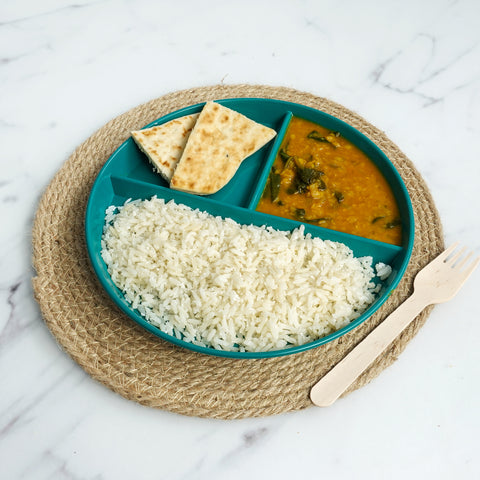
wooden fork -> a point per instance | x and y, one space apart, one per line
438 282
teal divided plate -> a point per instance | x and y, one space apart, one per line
127 174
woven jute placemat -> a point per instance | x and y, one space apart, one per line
112 349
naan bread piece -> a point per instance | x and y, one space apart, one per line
164 144
218 144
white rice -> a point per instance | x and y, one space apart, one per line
219 284
383 271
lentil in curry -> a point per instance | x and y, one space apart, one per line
321 178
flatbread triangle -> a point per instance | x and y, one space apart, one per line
164 144
219 142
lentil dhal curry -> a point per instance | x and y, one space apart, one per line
321 178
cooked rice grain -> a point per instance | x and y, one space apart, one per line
216 283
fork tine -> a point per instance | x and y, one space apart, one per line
467 272
456 256
464 261
448 251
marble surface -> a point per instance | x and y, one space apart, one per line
411 68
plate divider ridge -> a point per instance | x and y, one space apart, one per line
272 154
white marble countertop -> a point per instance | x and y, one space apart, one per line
411 68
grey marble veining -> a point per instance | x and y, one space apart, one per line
410 68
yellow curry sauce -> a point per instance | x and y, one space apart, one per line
321 178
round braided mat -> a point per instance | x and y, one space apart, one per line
141 367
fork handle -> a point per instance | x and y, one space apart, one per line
342 375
